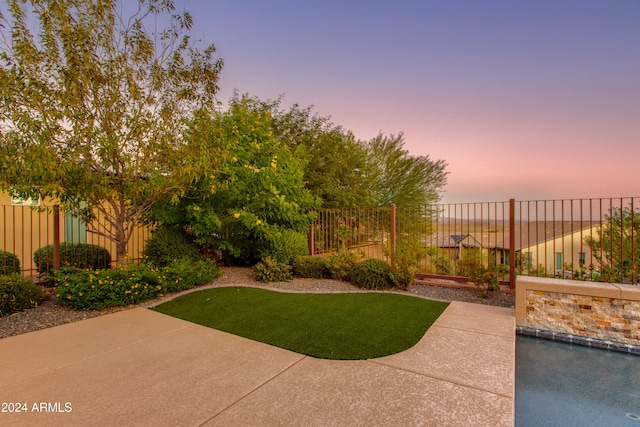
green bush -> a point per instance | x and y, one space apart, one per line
341 263
9 263
130 283
310 267
270 270
372 274
167 244
488 278
287 246
18 293
79 255
185 273
403 275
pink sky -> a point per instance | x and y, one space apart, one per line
526 100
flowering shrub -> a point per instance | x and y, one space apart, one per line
129 284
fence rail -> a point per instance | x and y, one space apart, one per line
583 239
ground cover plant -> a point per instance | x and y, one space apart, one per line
130 283
347 326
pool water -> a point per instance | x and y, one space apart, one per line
560 384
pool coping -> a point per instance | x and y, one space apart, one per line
579 340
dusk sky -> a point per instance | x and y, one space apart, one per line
523 99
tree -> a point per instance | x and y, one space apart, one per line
335 161
257 195
102 113
616 245
395 176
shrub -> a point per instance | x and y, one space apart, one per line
310 267
130 283
18 293
168 244
403 275
287 246
270 270
185 274
79 255
488 278
341 263
9 263
372 274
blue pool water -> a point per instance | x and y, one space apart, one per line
560 384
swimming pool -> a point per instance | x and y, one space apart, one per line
560 384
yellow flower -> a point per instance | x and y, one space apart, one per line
234 158
258 222
256 170
236 215
196 208
273 165
99 282
80 294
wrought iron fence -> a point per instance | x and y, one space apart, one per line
26 230
583 239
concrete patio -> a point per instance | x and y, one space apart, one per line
139 367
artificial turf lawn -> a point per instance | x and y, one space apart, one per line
329 326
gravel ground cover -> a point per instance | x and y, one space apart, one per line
48 314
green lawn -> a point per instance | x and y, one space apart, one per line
329 326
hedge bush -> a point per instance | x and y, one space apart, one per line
270 270
286 246
372 274
310 267
129 284
18 293
167 244
9 263
79 255
341 263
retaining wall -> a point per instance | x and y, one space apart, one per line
602 311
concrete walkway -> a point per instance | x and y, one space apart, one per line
139 367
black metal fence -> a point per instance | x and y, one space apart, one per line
582 239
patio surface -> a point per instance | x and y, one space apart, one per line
138 367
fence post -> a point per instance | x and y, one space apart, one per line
512 243
56 237
392 237
312 243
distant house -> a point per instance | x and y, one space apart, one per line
456 245
552 247
557 247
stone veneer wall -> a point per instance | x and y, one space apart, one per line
604 311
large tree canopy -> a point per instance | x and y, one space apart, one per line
104 112
395 176
258 193
345 172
